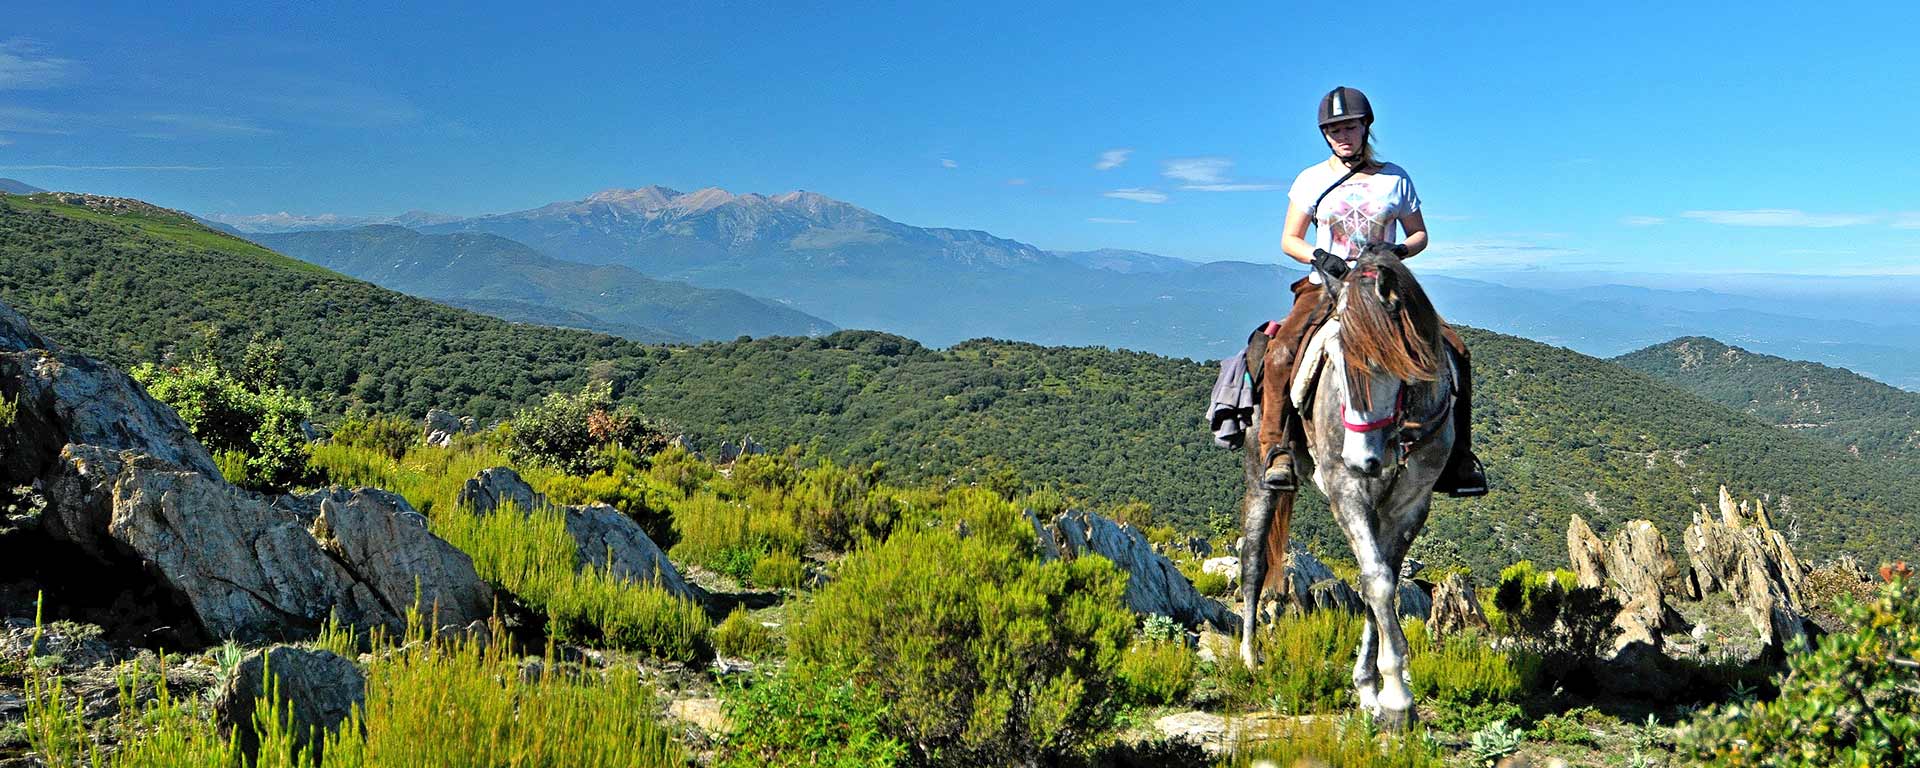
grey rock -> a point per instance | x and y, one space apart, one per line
1742 554
316 689
441 427
1455 608
1154 585
1412 602
1332 594
385 545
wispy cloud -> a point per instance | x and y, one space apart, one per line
1908 220
1138 195
1493 253
945 163
1778 217
1231 187
5 141
1016 182
1209 174
206 125
1642 221
1102 220
23 66
1111 159
1197 170
30 120
67 167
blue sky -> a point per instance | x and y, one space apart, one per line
1630 136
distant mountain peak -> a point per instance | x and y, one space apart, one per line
644 198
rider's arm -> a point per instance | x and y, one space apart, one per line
1293 239
1415 225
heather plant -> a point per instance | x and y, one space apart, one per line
1566 624
1306 665
1348 742
1465 670
741 637
778 570
1851 699
389 435
799 717
985 654
1156 672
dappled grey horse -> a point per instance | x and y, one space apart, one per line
1379 430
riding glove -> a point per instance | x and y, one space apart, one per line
1330 265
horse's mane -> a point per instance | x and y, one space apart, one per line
1388 324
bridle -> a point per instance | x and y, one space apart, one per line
1407 433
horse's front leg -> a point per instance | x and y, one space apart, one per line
1378 582
1366 670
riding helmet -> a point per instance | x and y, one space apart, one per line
1345 103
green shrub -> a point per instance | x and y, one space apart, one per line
1853 699
1306 665
569 431
741 637
622 482
1347 742
1154 673
1564 623
389 435
985 654
1487 745
428 702
779 569
731 535
797 718
1465 670
260 428
1565 728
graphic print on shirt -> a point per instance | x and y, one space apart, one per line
1357 217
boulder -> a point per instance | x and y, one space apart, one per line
1412 601
1586 553
441 427
384 544
1455 608
316 691
1154 585
1223 566
1334 595
1303 570
607 538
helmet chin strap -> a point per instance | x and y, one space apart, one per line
1350 162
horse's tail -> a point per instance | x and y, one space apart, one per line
1276 546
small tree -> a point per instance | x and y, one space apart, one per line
256 433
571 431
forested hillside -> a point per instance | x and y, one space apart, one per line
1834 404
1562 432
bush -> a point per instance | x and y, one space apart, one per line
1154 673
1854 699
569 432
1306 665
800 719
260 427
1348 742
986 655
731 535
1465 671
1566 624
779 570
741 637
389 435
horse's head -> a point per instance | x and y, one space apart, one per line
1389 339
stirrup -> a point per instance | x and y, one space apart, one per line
1279 477
1473 484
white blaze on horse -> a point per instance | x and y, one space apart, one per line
1376 388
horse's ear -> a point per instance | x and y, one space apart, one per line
1387 289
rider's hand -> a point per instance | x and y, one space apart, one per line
1330 265
1400 250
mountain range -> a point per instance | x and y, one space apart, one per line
1562 432
854 268
500 277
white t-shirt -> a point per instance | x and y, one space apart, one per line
1363 210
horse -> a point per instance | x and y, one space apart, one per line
1379 430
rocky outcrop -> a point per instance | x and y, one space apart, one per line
1742 554
316 691
1455 608
128 487
385 545
1154 585
607 538
1412 602
1634 568
1333 595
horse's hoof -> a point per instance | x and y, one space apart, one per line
1394 720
